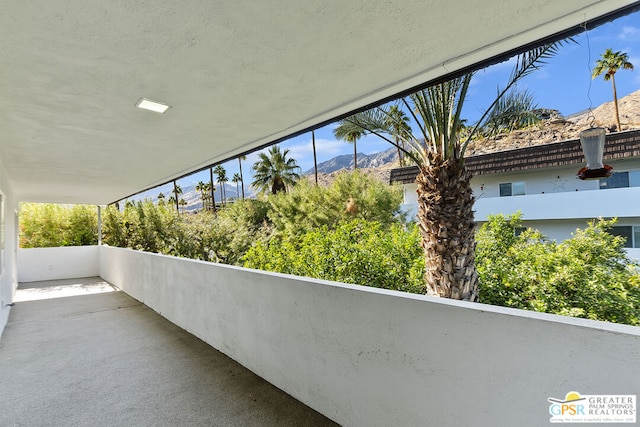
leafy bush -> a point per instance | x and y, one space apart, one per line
222 237
141 226
352 195
360 252
350 232
586 276
51 225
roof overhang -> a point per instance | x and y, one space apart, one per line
238 75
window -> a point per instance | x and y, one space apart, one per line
621 180
630 233
519 230
512 189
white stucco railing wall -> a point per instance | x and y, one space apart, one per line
582 204
370 357
36 264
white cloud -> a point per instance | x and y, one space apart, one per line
629 33
302 151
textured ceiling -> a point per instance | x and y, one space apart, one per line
238 74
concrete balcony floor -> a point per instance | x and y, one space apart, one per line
82 353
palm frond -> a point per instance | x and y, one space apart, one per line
439 108
377 122
515 110
526 63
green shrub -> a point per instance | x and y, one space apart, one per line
586 276
221 237
358 251
52 225
142 226
352 195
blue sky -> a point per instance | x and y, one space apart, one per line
564 84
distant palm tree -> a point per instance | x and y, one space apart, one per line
275 172
237 179
608 65
350 133
212 189
177 191
206 196
200 188
240 160
161 199
182 203
221 173
399 129
315 159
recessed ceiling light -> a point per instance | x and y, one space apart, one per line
150 105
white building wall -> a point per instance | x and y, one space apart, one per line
619 202
542 181
556 201
371 357
8 252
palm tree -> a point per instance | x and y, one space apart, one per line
240 160
221 173
161 199
445 199
237 179
275 172
315 159
609 65
177 191
201 188
398 124
206 196
212 189
182 203
347 132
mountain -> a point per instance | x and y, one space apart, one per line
365 161
563 129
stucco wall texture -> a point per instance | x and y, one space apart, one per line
371 357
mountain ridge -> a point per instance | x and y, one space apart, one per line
365 161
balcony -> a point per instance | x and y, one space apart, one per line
567 205
80 352
360 356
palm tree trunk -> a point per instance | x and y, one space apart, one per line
241 177
315 159
355 154
175 191
445 218
213 190
615 103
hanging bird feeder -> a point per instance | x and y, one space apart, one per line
592 141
